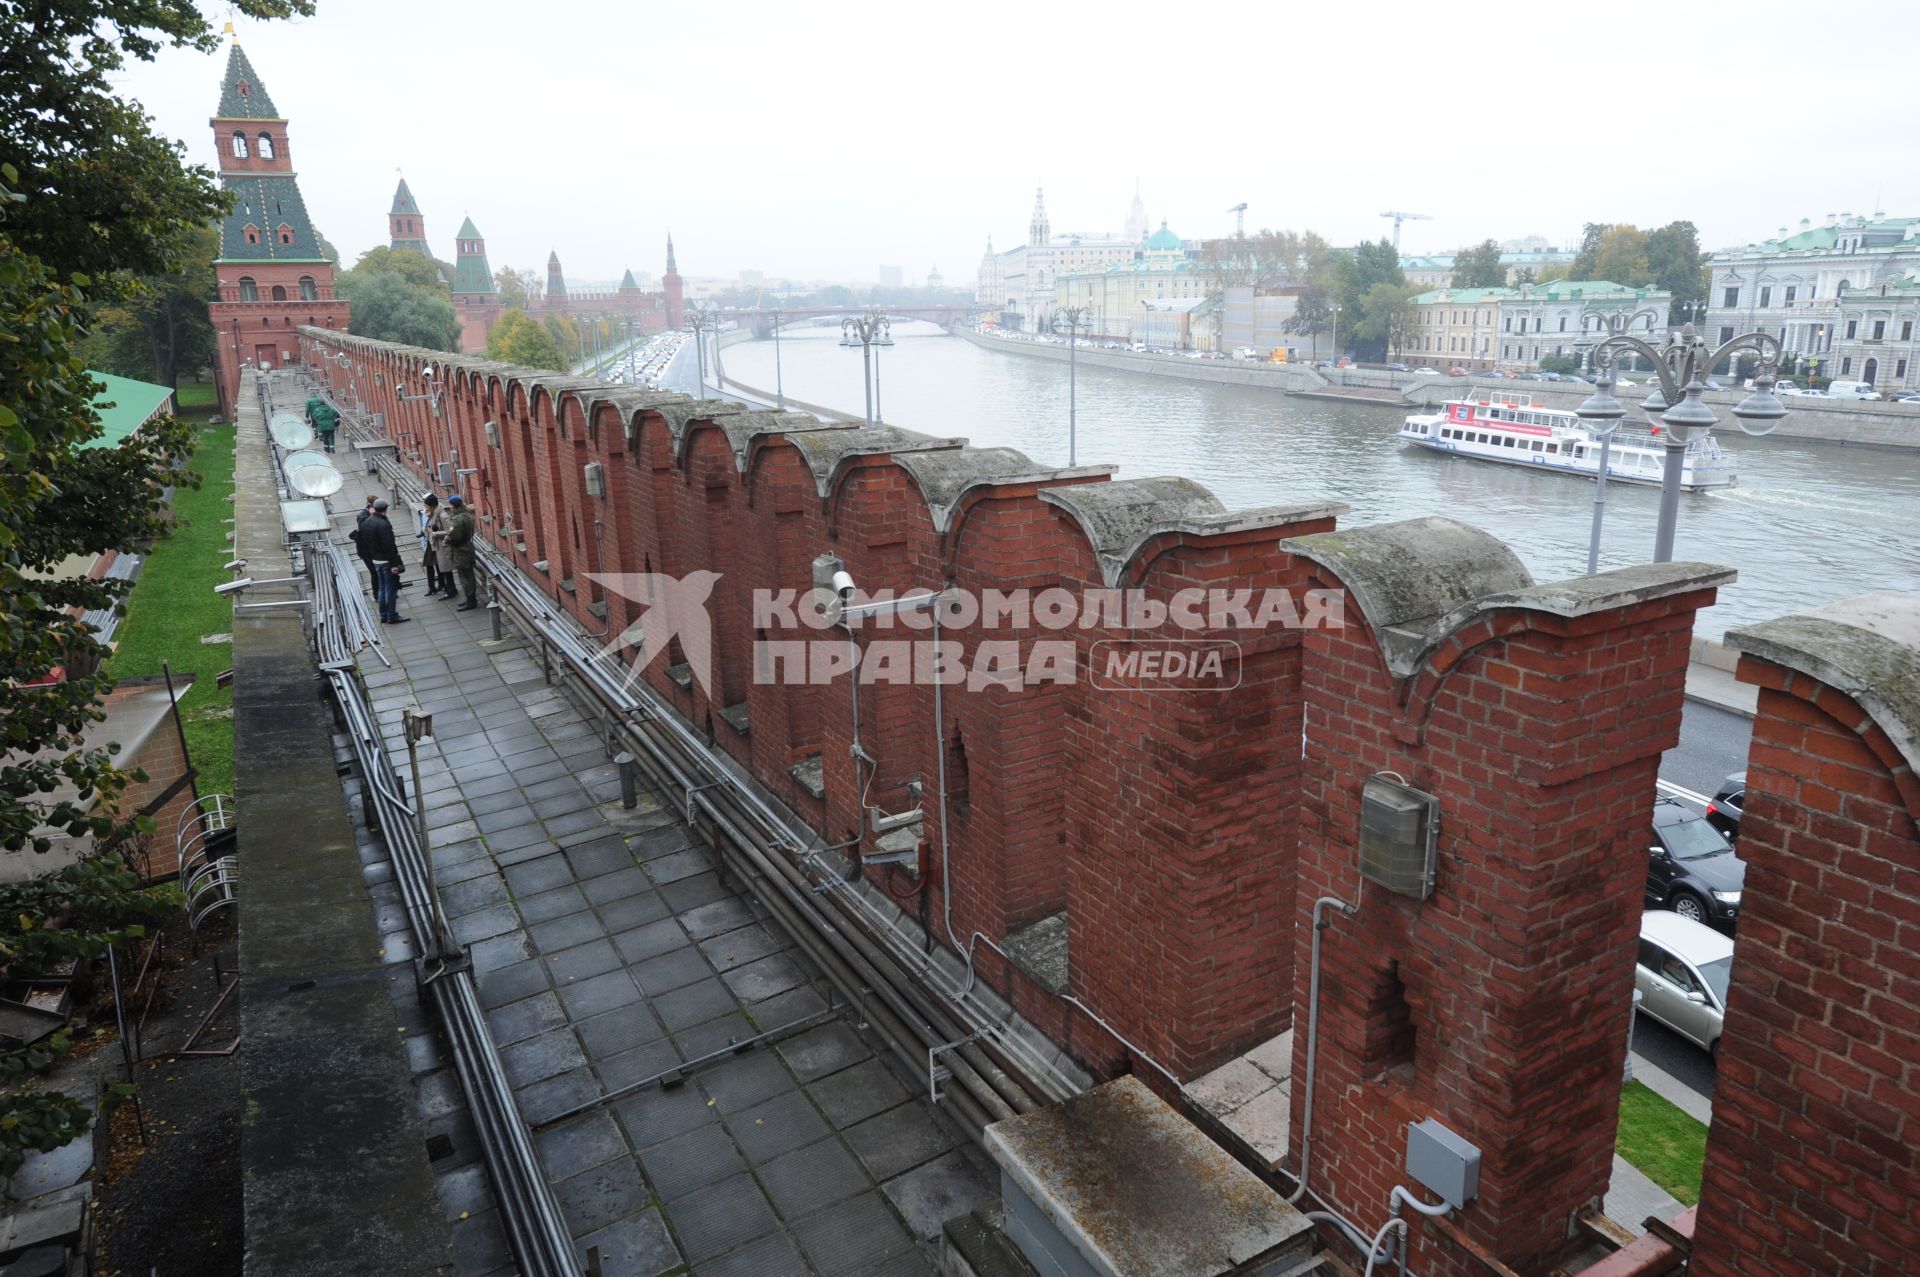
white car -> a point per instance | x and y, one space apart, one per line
1426 372
1682 976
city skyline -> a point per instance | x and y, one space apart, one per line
925 182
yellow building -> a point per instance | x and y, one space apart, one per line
1116 294
1456 328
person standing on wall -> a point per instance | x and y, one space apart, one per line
433 528
460 547
359 538
323 417
382 553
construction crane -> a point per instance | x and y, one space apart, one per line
1404 217
1239 212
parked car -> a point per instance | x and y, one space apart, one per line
1426 372
1904 396
1458 372
1682 975
1529 376
1691 867
1497 372
1394 367
1723 813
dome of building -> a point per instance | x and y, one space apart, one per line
1163 240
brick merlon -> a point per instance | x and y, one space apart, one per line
827 452
945 478
1867 647
1119 518
742 429
1421 580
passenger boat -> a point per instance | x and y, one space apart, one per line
1519 432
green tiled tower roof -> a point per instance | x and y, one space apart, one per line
266 202
403 202
242 96
628 281
470 271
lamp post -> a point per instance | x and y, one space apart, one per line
1070 320
1681 366
779 384
865 332
701 322
1333 309
1602 428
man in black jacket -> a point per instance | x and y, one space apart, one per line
382 554
360 545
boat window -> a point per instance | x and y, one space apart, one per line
1553 448
1579 452
1536 445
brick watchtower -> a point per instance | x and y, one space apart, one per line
556 283
271 273
671 287
476 297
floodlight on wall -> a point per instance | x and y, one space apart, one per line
492 429
595 476
1399 835
446 473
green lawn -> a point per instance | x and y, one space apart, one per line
196 398
1665 1144
174 605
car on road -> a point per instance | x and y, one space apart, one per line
1904 396
1393 368
1426 372
1851 390
1529 376
1682 975
1692 868
1723 813
1458 372
1497 372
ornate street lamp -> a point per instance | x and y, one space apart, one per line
1681 366
701 321
1601 419
864 332
1071 320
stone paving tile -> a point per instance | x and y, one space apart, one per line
607 951
721 1216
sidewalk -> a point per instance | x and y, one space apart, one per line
608 950
1718 687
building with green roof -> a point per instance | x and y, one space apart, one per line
1843 293
476 297
1455 327
1540 320
124 405
406 228
272 274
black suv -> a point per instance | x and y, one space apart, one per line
1723 813
1691 868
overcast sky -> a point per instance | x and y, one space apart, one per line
820 141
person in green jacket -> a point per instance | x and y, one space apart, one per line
460 547
324 418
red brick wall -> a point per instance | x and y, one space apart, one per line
1500 1005
1813 1160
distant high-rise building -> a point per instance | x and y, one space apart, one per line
673 288
476 298
271 273
1137 227
405 227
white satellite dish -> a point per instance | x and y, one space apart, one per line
312 475
290 430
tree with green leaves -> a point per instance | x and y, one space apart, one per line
1386 311
387 307
1586 260
1371 265
1312 313
1678 266
1622 257
160 327
91 199
518 338
411 265
1479 266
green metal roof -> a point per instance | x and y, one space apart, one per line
1586 290
267 201
628 281
1163 240
123 406
403 201
1464 296
471 274
242 96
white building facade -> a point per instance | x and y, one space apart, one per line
1020 282
1539 320
1845 294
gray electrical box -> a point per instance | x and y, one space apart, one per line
1399 832
446 473
594 475
1443 1163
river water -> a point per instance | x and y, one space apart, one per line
1807 524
